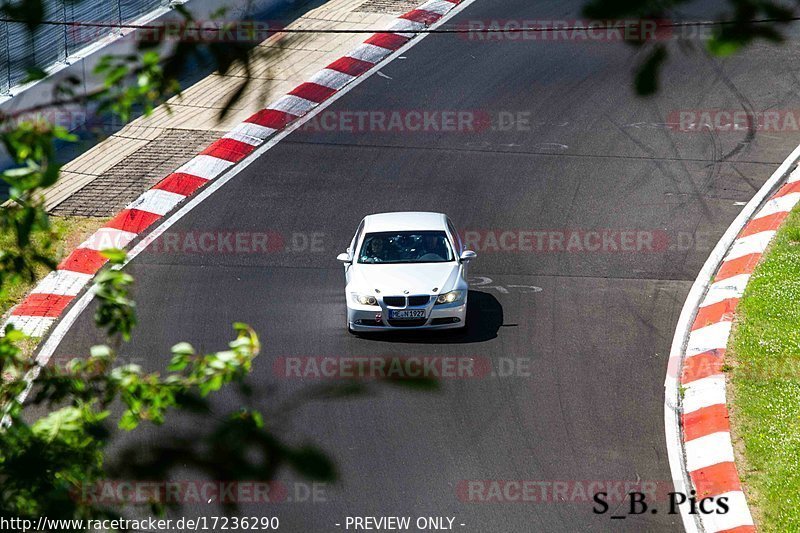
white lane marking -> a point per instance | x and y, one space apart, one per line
794 176
205 166
59 332
156 201
708 450
732 287
672 401
751 244
738 514
782 204
62 282
711 337
333 79
704 393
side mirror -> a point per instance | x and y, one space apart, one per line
344 258
467 256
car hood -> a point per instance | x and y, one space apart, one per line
419 278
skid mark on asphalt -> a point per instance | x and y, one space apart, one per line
488 283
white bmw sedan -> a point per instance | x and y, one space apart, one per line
406 270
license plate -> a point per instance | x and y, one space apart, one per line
407 314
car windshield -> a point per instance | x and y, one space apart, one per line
406 247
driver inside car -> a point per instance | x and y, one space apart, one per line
434 245
374 251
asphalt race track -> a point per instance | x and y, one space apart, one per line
588 330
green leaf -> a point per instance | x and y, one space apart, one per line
101 351
14 335
257 418
50 175
128 421
115 256
722 47
150 58
34 74
63 134
178 362
19 172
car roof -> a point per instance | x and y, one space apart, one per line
405 221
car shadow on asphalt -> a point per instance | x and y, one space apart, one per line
484 319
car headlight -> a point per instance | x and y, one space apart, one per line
449 297
365 299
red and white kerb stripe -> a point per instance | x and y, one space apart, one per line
706 431
52 295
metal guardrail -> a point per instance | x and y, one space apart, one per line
84 22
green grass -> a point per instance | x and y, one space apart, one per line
764 358
69 232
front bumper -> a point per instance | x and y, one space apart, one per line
369 318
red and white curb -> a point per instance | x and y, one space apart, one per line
705 458
48 300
